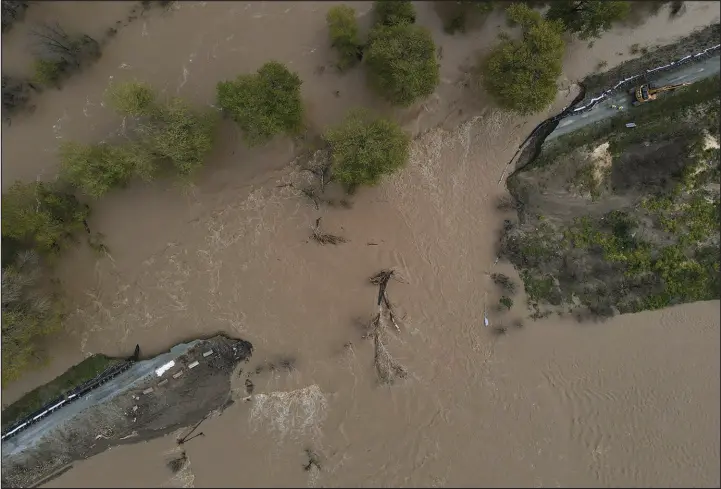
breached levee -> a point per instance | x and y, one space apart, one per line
151 399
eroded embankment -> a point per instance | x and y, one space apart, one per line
690 49
180 393
612 220
616 220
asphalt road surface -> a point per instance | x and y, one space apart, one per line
689 73
139 372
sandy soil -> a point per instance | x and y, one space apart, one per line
552 403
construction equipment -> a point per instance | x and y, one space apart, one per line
646 93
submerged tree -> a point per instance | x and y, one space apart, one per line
62 53
12 11
344 35
402 63
588 19
393 12
364 148
39 217
178 133
132 98
521 74
455 14
15 93
29 312
98 168
265 103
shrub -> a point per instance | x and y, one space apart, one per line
402 63
521 75
394 12
344 36
364 148
504 282
28 313
36 216
506 302
263 104
131 98
588 19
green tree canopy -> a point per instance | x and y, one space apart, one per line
402 63
264 104
394 12
344 35
521 74
169 131
587 19
364 148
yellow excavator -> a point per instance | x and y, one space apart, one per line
646 93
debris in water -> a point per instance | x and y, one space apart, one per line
176 465
325 238
313 460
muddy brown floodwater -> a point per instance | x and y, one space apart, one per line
633 401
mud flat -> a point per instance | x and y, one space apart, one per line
155 397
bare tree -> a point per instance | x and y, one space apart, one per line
68 52
16 94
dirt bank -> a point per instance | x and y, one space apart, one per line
196 386
618 219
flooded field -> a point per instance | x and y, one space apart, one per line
632 401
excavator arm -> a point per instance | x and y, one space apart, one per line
644 93
666 88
